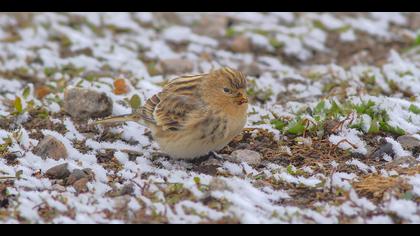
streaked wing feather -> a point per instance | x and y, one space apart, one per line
175 111
171 108
147 111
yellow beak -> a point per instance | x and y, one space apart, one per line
242 99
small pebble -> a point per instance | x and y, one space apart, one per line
58 172
81 185
244 155
83 104
52 148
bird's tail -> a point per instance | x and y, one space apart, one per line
117 119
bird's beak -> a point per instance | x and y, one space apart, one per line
242 99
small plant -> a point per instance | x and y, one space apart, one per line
5 146
275 43
293 171
296 127
18 106
26 92
414 109
230 32
336 111
135 102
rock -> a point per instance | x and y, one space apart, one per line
218 184
127 189
213 25
385 148
89 172
120 202
78 174
245 155
408 142
58 172
58 188
51 147
252 69
4 203
58 182
414 20
240 44
4 123
81 185
168 17
83 104
408 161
209 166
175 66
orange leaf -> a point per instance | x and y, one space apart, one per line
42 91
120 87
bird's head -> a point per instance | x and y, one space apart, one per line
227 87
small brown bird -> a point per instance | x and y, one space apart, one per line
195 115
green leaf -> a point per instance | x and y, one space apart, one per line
90 78
290 170
19 174
43 114
335 109
320 25
296 127
374 127
49 71
18 105
358 126
390 129
279 124
319 107
26 92
408 196
366 108
417 41
275 43
197 180
413 108
135 102
230 32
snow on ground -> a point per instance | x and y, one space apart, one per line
326 116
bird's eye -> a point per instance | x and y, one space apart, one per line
227 90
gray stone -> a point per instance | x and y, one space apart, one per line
245 155
81 185
405 160
408 142
58 172
218 184
168 17
121 202
251 69
213 25
240 44
52 148
414 20
127 189
76 175
83 104
175 66
385 148
58 188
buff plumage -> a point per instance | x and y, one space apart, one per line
194 115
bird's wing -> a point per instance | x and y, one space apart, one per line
147 111
172 111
